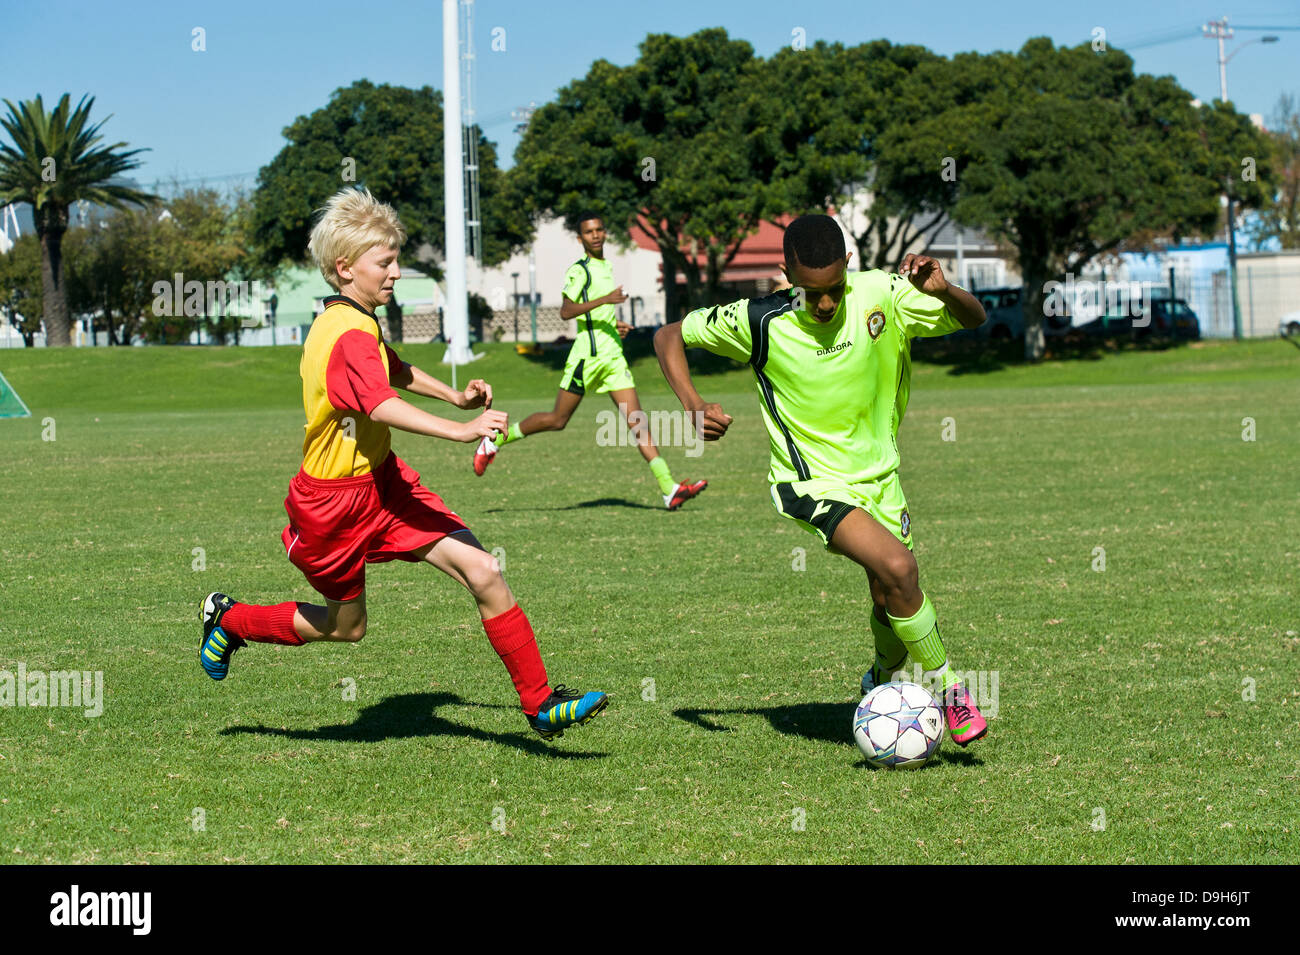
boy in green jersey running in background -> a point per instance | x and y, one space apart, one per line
832 359
595 363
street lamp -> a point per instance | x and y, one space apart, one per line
1223 60
1219 30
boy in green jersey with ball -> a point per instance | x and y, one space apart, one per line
832 359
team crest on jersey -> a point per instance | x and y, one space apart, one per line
905 523
875 322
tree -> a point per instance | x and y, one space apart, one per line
388 138
205 240
1066 155
21 294
1278 219
111 266
55 160
116 265
667 144
828 108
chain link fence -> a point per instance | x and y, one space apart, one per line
507 325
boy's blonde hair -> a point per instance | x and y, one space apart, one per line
352 223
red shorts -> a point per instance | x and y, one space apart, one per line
338 526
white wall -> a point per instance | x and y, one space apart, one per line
555 249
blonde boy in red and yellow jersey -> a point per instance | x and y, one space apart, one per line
354 502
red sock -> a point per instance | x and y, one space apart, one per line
270 623
512 638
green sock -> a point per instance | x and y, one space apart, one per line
890 652
659 468
513 434
920 634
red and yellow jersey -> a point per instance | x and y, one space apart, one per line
346 373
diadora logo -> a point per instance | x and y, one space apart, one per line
834 348
875 322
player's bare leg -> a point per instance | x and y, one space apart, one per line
461 557
867 542
550 710
891 654
636 420
228 625
566 402
629 406
339 621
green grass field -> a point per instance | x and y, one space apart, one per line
1163 691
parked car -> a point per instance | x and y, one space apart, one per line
1165 318
1006 317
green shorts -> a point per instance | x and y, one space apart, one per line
600 373
819 505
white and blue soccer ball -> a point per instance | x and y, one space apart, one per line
898 725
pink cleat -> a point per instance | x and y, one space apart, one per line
483 455
964 719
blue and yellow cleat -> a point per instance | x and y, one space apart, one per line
565 708
217 646
873 678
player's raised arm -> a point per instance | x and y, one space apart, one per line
710 420
926 275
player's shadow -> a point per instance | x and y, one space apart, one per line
820 722
599 502
409 716
608 502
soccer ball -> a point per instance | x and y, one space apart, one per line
898 725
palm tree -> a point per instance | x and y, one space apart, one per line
55 161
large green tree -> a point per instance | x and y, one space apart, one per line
1066 155
389 139
55 160
667 142
827 108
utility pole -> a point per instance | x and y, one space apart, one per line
1220 31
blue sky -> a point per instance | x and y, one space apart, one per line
217 115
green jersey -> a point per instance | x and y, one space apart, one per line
833 394
597 331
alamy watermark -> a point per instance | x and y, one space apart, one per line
667 429
1084 300
981 684
176 297
129 909
77 689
